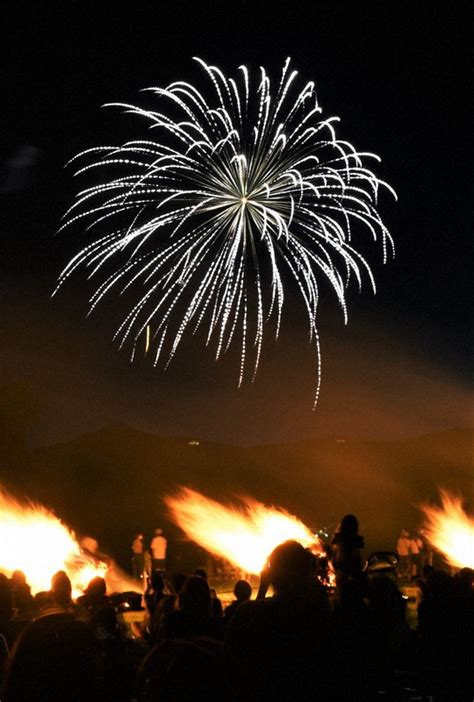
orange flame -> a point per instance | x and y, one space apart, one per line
450 530
244 536
34 540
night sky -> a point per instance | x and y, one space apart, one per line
398 75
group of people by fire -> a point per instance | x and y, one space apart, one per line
294 639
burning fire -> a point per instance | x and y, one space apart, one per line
244 536
451 530
34 540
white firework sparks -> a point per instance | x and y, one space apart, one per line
242 189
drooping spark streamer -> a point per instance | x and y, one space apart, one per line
451 530
244 536
239 188
34 540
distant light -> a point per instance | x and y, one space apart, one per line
193 442
340 441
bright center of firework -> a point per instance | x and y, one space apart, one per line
243 200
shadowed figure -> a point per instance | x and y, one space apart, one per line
53 659
346 549
194 616
243 593
278 648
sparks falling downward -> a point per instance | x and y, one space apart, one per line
451 530
242 189
243 536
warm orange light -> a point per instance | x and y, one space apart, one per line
244 536
450 530
34 540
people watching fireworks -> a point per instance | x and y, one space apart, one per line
299 643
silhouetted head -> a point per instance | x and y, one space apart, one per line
349 525
242 590
158 532
97 587
195 596
54 658
288 564
61 588
201 573
18 578
157 582
404 534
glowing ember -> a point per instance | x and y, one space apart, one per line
34 540
244 536
451 530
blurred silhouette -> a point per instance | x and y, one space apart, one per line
54 658
243 593
346 549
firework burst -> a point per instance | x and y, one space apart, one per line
239 189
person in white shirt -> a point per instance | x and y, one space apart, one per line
158 551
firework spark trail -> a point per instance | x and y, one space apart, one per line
237 187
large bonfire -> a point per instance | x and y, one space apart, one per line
245 536
451 531
34 540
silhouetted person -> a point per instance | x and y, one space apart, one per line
346 549
95 596
391 634
404 554
278 647
216 605
6 612
138 557
61 590
53 660
155 592
242 593
194 616
446 627
353 631
23 600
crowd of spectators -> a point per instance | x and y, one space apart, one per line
302 642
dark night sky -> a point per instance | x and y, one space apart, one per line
396 73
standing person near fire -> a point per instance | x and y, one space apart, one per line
404 554
346 545
158 548
138 557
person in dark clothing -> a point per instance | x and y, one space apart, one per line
278 648
194 616
243 593
155 592
94 597
54 658
216 605
23 600
346 549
